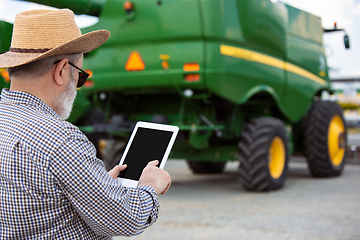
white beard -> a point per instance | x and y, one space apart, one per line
66 100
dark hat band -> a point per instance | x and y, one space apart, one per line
26 50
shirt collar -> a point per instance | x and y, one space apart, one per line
24 98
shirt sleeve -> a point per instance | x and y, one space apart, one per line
100 200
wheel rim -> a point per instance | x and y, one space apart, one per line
276 157
336 140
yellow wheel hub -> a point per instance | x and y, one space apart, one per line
277 157
336 140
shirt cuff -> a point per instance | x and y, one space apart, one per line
149 191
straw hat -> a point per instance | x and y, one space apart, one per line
38 34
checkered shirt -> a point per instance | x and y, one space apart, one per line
52 186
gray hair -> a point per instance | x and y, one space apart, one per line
40 67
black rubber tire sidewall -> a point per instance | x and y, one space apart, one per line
206 167
94 116
316 148
113 152
254 151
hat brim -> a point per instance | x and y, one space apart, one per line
83 44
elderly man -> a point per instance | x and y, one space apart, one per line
52 184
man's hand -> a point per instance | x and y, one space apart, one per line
155 177
116 170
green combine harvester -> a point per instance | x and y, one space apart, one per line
242 79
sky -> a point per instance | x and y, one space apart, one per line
346 13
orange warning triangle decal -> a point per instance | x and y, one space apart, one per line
135 63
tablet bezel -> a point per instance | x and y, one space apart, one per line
156 126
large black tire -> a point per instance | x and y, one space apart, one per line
325 139
96 115
112 152
263 155
206 167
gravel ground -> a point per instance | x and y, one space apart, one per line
216 207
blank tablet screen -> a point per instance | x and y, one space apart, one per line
147 145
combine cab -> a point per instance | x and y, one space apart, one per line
241 78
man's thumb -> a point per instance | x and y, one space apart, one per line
153 163
116 170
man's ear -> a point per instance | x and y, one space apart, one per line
58 73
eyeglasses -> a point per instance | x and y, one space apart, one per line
83 76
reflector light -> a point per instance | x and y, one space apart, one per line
192 77
90 73
191 67
165 65
134 63
88 84
128 6
5 75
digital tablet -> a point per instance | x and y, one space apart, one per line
148 142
